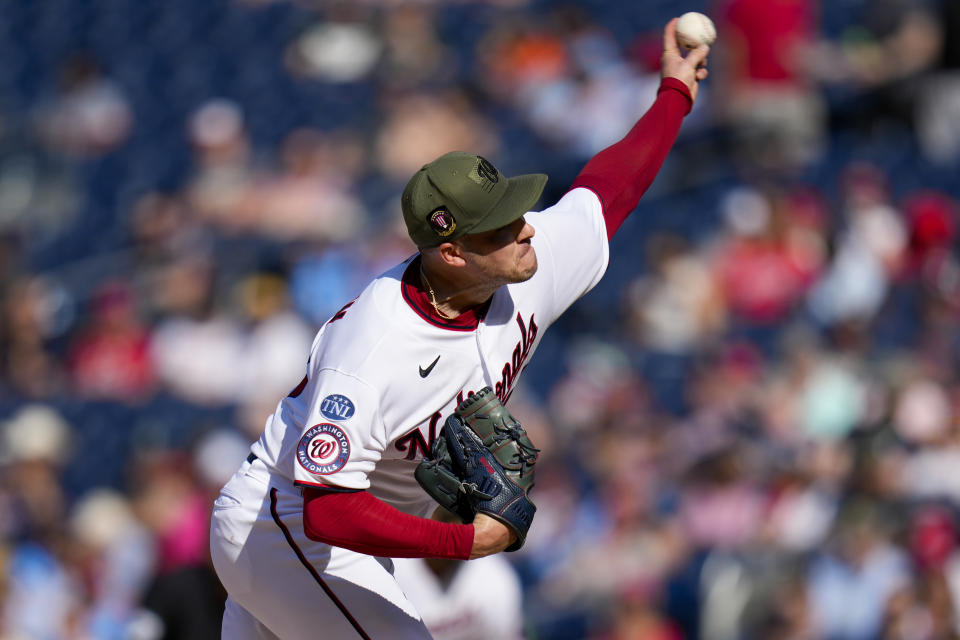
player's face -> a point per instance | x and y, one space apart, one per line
502 255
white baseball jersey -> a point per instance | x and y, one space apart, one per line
382 376
384 372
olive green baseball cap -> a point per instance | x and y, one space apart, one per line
461 193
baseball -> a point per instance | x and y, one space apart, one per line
694 29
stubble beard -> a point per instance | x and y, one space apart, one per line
524 274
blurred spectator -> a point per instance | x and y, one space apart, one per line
932 471
321 282
36 445
220 189
677 308
185 593
110 357
114 556
217 455
635 617
250 357
196 349
521 56
719 507
600 96
569 79
183 285
932 263
885 57
36 310
869 252
801 511
334 51
598 386
922 413
633 551
184 599
571 521
787 617
928 609
90 115
762 271
42 596
414 54
387 244
419 126
42 599
775 112
938 109
832 399
197 358
311 198
41 196
723 389
161 230
273 359
851 584
932 228
921 610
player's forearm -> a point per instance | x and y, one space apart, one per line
621 173
360 522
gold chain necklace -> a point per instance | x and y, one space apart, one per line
433 296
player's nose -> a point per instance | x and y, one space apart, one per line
526 231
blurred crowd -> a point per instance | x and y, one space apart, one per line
750 429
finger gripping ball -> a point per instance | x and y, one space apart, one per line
694 29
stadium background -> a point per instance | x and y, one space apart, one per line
753 420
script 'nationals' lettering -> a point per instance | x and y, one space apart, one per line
416 445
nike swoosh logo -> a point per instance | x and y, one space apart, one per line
425 372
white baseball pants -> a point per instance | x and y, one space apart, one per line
283 585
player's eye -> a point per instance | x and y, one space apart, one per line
513 229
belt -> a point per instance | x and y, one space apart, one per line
252 457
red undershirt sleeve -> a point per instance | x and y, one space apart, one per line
621 173
358 521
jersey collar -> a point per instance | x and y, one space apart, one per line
419 301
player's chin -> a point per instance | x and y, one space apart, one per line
527 266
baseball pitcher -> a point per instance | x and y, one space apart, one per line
402 405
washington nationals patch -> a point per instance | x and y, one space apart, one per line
323 449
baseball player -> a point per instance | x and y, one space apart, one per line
302 534
445 593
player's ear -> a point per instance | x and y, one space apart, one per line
452 254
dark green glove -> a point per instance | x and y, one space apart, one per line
466 478
501 434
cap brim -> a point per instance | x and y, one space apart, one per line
522 193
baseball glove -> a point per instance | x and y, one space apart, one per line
466 478
501 434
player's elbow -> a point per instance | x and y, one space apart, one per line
313 515
310 528
312 533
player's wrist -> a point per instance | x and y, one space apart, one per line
676 86
490 536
